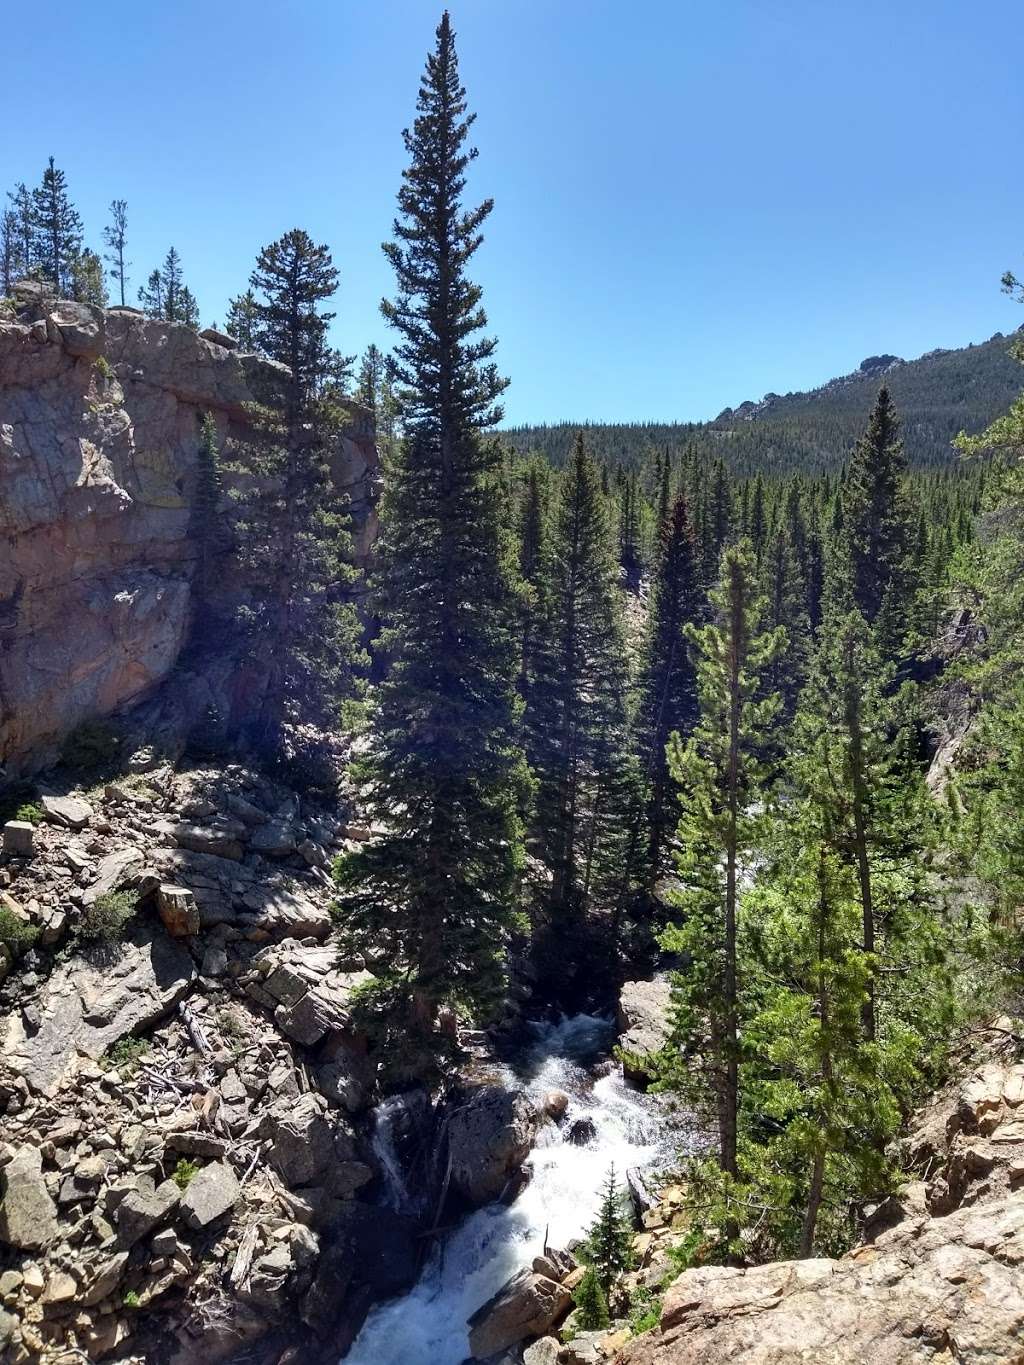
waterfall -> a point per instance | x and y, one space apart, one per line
427 1326
385 1149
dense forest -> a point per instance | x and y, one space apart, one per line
638 696
938 395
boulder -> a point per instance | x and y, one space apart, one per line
28 1216
643 1024
115 871
19 839
542 1352
489 1135
143 1208
525 1306
221 839
581 1132
70 811
178 912
308 1142
555 1103
211 1193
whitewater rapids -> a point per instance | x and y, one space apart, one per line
427 1326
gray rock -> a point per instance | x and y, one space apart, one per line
211 1193
19 839
28 1216
275 839
308 1141
542 1352
89 1003
114 872
490 1134
643 1024
222 839
100 1278
525 1306
143 1208
69 811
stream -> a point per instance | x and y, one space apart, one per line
427 1326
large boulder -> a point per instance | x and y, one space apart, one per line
210 1194
28 1216
89 1003
643 1025
490 1133
525 1306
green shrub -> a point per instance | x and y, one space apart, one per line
102 365
106 918
644 1310
183 1173
126 1054
15 798
131 1299
15 932
91 745
29 811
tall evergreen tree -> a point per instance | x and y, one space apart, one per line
22 231
722 784
578 702
243 321
9 258
115 235
667 685
57 230
444 774
294 539
876 523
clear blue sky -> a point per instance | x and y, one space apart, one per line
696 200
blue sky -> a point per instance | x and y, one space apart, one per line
695 202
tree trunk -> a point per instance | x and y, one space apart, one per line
813 1205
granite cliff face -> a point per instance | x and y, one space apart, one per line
98 438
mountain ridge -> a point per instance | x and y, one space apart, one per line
938 394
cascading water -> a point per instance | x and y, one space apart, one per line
427 1326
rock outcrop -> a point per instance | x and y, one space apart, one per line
98 439
938 1280
643 1024
490 1133
181 1164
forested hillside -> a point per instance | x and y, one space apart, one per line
939 395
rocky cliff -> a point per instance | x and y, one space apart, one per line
98 439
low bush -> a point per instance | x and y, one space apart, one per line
106 918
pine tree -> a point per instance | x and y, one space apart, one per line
57 230
166 296
444 774
294 521
786 598
9 259
243 321
860 749
115 236
591 1304
151 295
370 380
876 524
87 282
578 709
667 685
609 1240
22 232
722 781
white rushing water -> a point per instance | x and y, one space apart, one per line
427 1326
